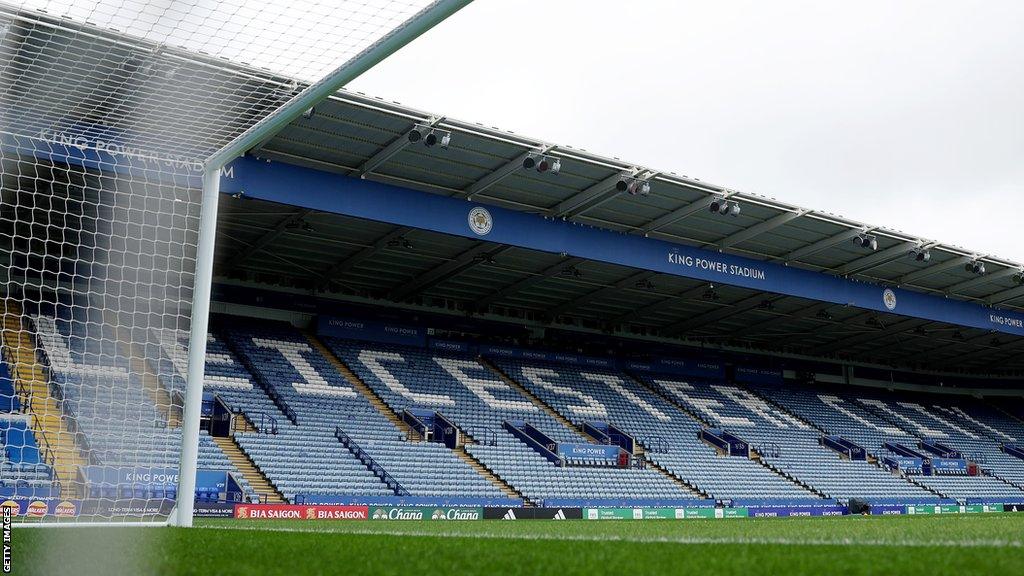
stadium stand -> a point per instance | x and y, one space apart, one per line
669 436
328 418
307 456
479 402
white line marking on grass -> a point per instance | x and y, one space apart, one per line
638 539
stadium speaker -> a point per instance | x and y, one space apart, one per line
622 185
431 139
415 135
529 162
858 506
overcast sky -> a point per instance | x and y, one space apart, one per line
904 114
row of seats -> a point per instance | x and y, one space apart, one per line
250 362
324 402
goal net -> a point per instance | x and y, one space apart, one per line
109 110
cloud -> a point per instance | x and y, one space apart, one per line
905 115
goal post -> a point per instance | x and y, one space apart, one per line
263 130
116 120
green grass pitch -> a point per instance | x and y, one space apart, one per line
953 544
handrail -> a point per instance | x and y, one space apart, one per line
414 423
369 462
657 444
70 418
491 438
267 424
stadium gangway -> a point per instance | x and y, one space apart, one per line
901 450
534 438
850 449
413 418
938 449
730 444
432 426
266 424
608 433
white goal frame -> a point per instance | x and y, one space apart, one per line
266 128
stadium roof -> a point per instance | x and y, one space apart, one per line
361 136
357 135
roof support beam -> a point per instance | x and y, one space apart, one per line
525 283
977 354
445 271
939 351
935 269
679 214
509 168
628 282
580 201
876 259
1005 295
981 280
1007 355
856 339
396 146
266 239
713 316
646 309
363 255
823 244
760 328
757 229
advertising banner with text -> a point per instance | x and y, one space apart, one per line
424 513
300 512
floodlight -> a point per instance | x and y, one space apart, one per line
975 267
921 254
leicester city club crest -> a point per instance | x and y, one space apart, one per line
889 299
480 221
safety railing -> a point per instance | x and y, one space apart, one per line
369 462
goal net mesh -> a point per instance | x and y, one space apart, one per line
108 109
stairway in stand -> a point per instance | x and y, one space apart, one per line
487 473
391 415
362 388
259 483
141 369
48 422
544 406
